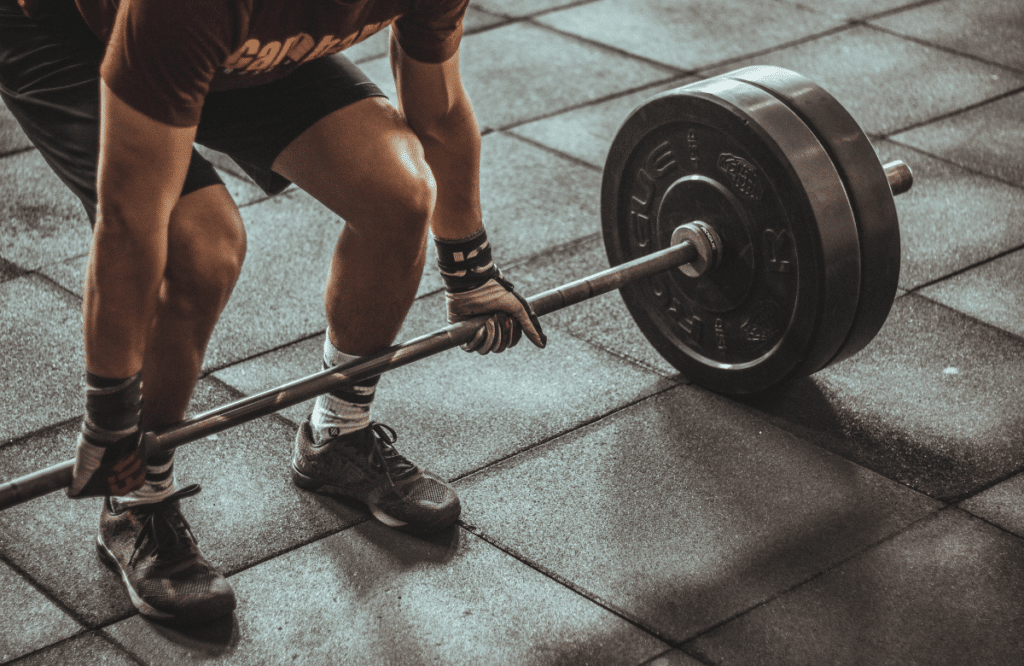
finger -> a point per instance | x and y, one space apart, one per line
515 332
504 325
531 324
478 340
492 339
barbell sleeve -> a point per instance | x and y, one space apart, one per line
253 407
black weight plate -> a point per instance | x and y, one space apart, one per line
782 300
866 185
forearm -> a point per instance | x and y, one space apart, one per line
452 150
142 166
123 279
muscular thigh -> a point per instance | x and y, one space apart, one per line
363 162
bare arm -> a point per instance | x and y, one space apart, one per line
142 166
437 108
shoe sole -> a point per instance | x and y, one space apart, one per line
314 486
111 561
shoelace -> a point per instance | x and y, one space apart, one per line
397 465
172 521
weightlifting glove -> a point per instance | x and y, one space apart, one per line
110 457
474 286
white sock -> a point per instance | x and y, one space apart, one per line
344 410
160 483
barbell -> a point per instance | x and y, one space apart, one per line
751 231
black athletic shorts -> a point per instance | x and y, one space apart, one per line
49 79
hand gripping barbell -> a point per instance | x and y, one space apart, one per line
763 193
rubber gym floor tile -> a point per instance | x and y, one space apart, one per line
375 596
248 510
889 83
12 139
90 648
853 9
43 221
987 29
988 293
455 411
31 620
934 238
519 72
42 359
532 199
1002 504
523 8
690 35
982 139
586 133
673 658
933 402
684 510
947 591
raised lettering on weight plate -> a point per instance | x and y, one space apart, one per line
690 324
720 335
744 176
691 143
778 249
639 220
641 226
661 159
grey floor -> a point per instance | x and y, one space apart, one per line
614 514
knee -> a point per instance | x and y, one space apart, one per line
409 203
203 267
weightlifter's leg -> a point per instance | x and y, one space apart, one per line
366 165
206 248
144 536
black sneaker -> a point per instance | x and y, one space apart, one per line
365 466
153 548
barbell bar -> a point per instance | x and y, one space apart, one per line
57 477
800 207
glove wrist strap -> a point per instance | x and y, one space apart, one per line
465 263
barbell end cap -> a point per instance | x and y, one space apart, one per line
705 240
899 175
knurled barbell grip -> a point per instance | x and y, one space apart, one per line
58 476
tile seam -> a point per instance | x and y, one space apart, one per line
608 48
843 561
561 433
47 594
40 432
564 582
940 47
945 160
508 128
703 71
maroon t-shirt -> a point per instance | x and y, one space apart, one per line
163 56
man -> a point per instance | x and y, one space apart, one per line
114 93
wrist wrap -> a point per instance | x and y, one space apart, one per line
465 263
